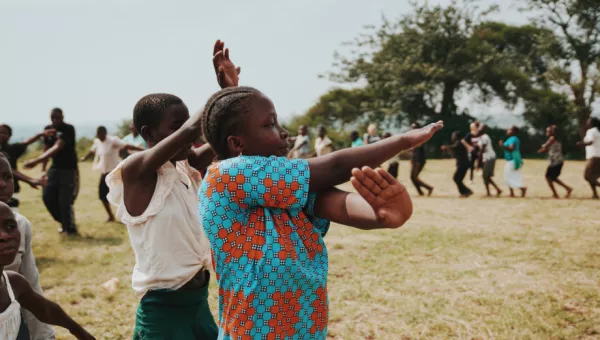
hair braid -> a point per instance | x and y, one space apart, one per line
222 116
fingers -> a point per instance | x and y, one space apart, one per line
217 47
364 176
239 70
387 176
227 54
364 192
218 56
376 177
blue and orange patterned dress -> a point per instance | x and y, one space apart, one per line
268 249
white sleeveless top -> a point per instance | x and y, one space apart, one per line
10 319
168 240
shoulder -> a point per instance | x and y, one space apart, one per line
23 224
18 283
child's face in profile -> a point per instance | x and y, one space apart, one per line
6 180
262 134
172 119
10 237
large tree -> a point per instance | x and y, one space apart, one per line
577 24
419 66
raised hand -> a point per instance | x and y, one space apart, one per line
388 198
227 73
49 132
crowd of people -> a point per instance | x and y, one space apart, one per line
475 151
245 204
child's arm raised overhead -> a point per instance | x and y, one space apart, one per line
334 168
44 310
381 202
147 162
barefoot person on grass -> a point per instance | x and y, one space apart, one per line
417 164
106 150
555 156
488 158
512 170
463 163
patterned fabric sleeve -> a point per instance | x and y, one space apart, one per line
252 181
321 224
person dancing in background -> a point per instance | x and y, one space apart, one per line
24 262
371 136
591 141
323 145
135 139
471 143
62 184
417 164
512 170
301 144
355 139
555 156
13 152
106 150
488 157
460 152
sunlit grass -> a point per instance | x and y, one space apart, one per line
472 268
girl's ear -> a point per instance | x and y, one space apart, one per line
234 145
147 134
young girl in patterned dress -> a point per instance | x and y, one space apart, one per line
266 215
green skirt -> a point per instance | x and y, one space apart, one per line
175 314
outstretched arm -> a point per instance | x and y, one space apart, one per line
43 158
546 145
44 310
45 133
34 183
335 168
381 202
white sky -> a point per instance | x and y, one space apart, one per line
95 59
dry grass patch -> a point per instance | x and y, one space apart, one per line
473 268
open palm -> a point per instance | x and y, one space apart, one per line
227 73
388 198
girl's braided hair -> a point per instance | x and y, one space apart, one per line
222 116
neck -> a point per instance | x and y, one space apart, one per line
135 134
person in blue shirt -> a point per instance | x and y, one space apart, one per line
512 170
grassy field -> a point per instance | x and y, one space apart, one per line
474 268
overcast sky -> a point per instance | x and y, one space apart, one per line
95 59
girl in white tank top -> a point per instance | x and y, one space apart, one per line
10 319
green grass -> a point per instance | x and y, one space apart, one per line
474 268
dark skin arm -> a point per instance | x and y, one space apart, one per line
200 158
139 172
34 183
35 138
48 153
381 202
509 147
546 145
44 310
335 168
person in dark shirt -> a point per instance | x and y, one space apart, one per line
63 176
470 141
417 164
13 151
462 162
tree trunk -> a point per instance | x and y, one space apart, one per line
582 109
448 105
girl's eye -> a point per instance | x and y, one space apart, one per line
11 226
